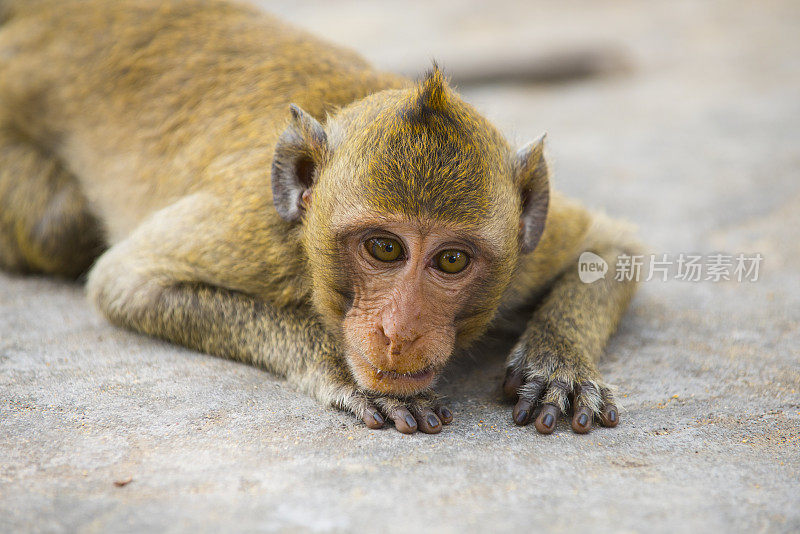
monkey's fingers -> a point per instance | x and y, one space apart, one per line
396 410
444 414
373 418
422 412
512 383
587 403
548 416
529 395
362 407
428 421
522 412
609 414
403 420
429 412
556 400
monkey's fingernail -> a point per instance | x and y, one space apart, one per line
609 417
521 417
446 414
373 419
546 422
410 421
582 421
522 412
433 421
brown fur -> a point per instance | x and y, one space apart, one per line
152 128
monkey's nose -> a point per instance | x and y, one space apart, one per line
383 336
392 339
398 345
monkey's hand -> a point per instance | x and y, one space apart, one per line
554 379
423 411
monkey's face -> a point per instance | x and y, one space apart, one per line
413 288
412 235
414 212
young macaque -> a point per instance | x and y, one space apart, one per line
239 187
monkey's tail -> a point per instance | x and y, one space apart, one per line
549 67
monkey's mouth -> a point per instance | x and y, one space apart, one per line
392 381
423 374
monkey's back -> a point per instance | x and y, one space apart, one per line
147 101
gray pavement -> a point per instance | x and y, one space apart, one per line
696 142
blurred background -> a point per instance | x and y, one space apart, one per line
690 120
680 116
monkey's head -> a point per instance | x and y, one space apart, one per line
415 211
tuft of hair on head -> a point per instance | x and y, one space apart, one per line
432 95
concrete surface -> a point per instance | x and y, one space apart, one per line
697 143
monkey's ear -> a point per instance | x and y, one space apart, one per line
298 154
533 180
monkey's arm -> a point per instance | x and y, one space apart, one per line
151 284
554 361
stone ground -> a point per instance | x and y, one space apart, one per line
696 141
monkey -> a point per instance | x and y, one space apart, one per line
235 185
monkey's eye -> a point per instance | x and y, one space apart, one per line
452 261
384 248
